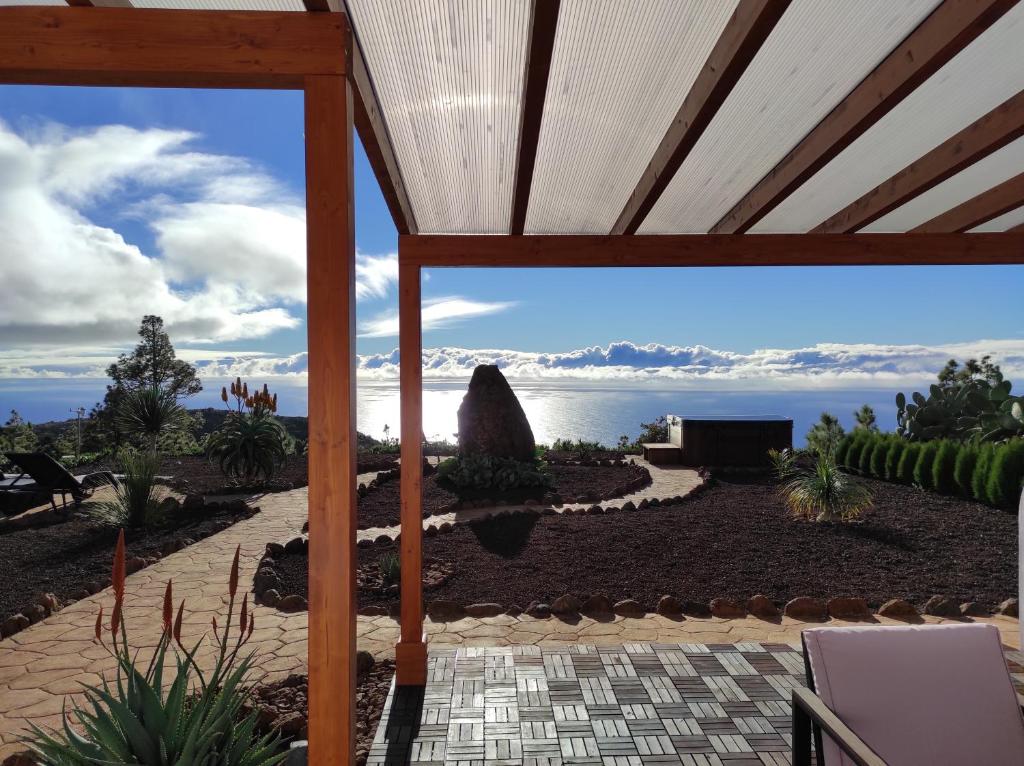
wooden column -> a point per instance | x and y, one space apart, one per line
330 256
411 651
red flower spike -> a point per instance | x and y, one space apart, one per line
115 620
244 617
177 622
252 624
233 580
119 570
168 608
223 394
215 631
99 625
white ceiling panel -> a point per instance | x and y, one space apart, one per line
982 76
820 51
1003 222
449 78
617 79
968 183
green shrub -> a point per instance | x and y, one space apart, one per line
857 445
878 455
905 468
943 468
893 453
923 466
963 470
825 435
390 565
783 463
167 711
979 478
1006 474
842 449
486 472
864 465
135 502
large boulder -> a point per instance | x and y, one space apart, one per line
491 420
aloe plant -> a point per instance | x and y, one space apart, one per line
190 718
252 443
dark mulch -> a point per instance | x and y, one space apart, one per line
380 506
734 540
283 705
561 456
195 474
62 558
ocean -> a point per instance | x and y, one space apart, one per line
556 409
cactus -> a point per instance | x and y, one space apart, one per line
978 409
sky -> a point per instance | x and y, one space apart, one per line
116 203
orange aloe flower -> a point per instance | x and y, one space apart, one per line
168 608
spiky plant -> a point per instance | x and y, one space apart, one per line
149 413
252 443
826 494
390 566
196 718
783 463
135 500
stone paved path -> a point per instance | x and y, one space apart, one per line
51 659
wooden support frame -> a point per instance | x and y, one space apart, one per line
990 204
411 651
153 48
123 46
744 34
950 28
985 135
543 26
712 250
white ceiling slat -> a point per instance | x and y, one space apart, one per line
817 54
449 79
617 79
223 5
986 73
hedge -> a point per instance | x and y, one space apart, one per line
988 473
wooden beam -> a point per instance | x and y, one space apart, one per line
711 250
168 48
742 38
373 132
1018 228
411 651
950 28
985 135
541 36
1007 196
330 326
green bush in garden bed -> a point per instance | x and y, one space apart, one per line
988 473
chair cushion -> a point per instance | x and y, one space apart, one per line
935 694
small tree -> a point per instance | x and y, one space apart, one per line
17 435
865 418
923 466
892 458
905 469
979 479
1006 474
943 469
963 470
824 436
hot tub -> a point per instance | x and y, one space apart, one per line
728 440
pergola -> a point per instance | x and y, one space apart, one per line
542 133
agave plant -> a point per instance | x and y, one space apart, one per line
190 718
252 443
135 500
825 493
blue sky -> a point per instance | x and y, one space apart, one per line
181 215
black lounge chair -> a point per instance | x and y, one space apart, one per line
51 477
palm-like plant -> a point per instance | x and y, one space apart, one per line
825 493
252 443
149 413
197 719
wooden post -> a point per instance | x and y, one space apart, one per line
330 256
411 651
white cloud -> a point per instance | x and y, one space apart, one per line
230 241
826 365
437 313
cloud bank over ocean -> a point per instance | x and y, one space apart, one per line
822 365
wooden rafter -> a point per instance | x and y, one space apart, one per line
950 28
541 36
989 133
1018 228
711 250
990 204
168 48
739 42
